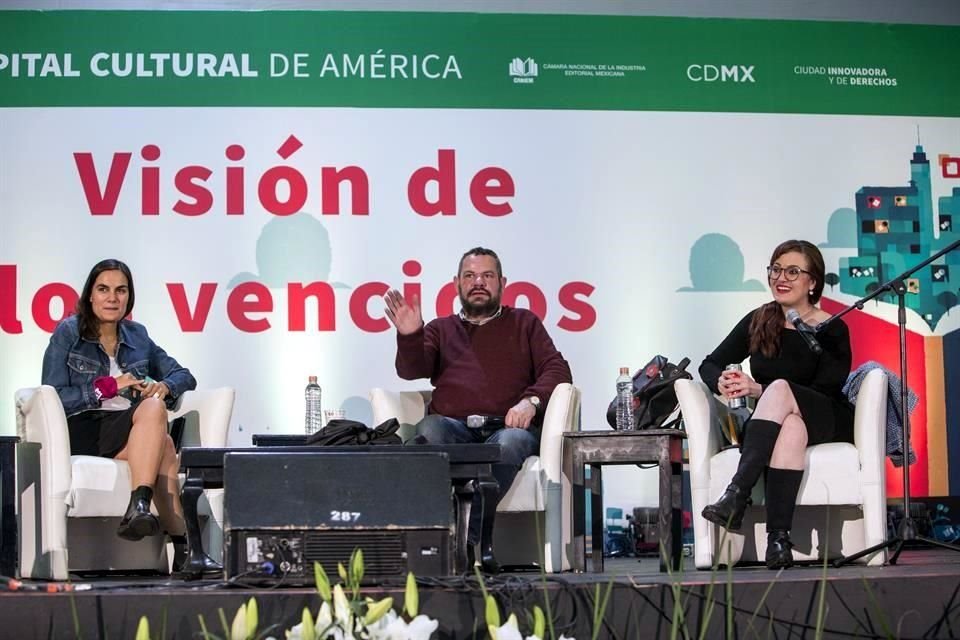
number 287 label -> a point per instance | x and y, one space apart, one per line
344 516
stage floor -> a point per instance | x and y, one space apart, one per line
917 598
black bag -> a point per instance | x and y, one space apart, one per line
654 399
351 432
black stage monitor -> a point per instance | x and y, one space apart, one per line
283 511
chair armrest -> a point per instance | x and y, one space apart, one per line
408 407
208 415
702 415
562 414
40 419
870 424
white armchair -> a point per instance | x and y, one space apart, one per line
842 502
536 497
70 506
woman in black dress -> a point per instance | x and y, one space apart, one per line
799 397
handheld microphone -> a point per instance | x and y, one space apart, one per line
806 331
482 422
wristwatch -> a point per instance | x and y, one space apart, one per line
535 401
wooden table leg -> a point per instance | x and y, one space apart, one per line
596 514
573 465
670 515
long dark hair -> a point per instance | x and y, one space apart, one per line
767 322
88 322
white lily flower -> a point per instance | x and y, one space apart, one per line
294 632
341 611
509 630
422 627
389 627
324 617
392 627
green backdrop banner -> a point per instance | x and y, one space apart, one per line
370 59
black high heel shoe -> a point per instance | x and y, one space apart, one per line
779 550
728 511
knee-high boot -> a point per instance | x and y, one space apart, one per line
760 436
782 488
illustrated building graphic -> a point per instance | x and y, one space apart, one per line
898 229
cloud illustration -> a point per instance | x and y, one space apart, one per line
716 264
841 230
291 249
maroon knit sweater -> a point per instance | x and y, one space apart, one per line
483 370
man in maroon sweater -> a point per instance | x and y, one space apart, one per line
488 360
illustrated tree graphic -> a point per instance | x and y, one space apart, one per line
948 299
831 279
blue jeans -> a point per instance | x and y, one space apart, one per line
516 445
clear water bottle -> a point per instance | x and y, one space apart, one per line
313 418
625 401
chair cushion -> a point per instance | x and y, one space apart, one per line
100 487
836 467
526 492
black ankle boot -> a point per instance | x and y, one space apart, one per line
138 522
727 512
779 549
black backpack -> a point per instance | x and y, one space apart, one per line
351 432
654 399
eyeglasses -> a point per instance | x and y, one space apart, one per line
790 273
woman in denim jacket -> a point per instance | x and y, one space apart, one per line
115 384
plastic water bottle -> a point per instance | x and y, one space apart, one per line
313 419
625 401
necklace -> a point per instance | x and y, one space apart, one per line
110 346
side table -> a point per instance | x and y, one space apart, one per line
597 448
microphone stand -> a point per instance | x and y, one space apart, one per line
907 535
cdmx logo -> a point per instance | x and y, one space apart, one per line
523 71
720 73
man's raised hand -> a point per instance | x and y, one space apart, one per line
405 316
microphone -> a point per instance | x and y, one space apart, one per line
481 422
806 331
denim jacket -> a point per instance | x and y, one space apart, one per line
71 363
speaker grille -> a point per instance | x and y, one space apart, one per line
384 552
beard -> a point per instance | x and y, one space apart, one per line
484 308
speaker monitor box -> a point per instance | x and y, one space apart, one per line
284 511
